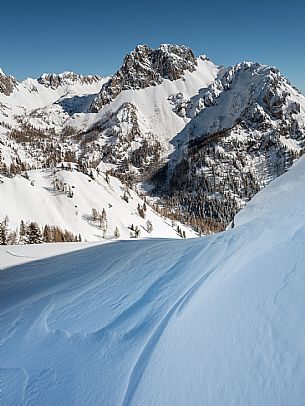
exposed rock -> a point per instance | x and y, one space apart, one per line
7 83
118 136
178 103
145 67
246 130
66 78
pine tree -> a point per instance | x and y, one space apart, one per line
22 233
94 215
33 234
4 231
116 233
103 222
12 237
137 232
47 235
149 226
141 211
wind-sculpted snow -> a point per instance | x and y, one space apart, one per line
214 321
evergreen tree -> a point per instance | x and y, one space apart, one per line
22 233
103 222
137 232
12 237
116 233
33 234
4 231
141 211
94 215
149 226
47 235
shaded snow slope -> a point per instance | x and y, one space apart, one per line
215 321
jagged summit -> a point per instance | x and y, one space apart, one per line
54 80
144 67
255 94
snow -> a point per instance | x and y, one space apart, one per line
35 199
152 102
216 321
30 95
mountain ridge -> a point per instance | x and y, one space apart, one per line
205 137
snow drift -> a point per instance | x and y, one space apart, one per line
214 321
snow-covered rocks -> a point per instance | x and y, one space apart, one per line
54 80
7 83
145 67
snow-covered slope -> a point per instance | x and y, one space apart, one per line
31 94
205 137
215 321
66 198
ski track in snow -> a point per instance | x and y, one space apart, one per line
19 256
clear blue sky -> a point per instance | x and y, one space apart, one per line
94 36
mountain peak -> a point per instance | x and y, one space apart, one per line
54 80
144 67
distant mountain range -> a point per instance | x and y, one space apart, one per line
195 139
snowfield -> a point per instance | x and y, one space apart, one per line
217 320
36 199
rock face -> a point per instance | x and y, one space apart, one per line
7 83
53 80
145 67
246 129
125 143
248 88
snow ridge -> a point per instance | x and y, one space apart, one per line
228 306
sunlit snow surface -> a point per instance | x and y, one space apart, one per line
49 206
213 321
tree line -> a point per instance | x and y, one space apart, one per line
31 233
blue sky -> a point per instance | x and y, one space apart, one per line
94 36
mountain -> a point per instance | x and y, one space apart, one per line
199 139
145 67
217 320
54 81
245 130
